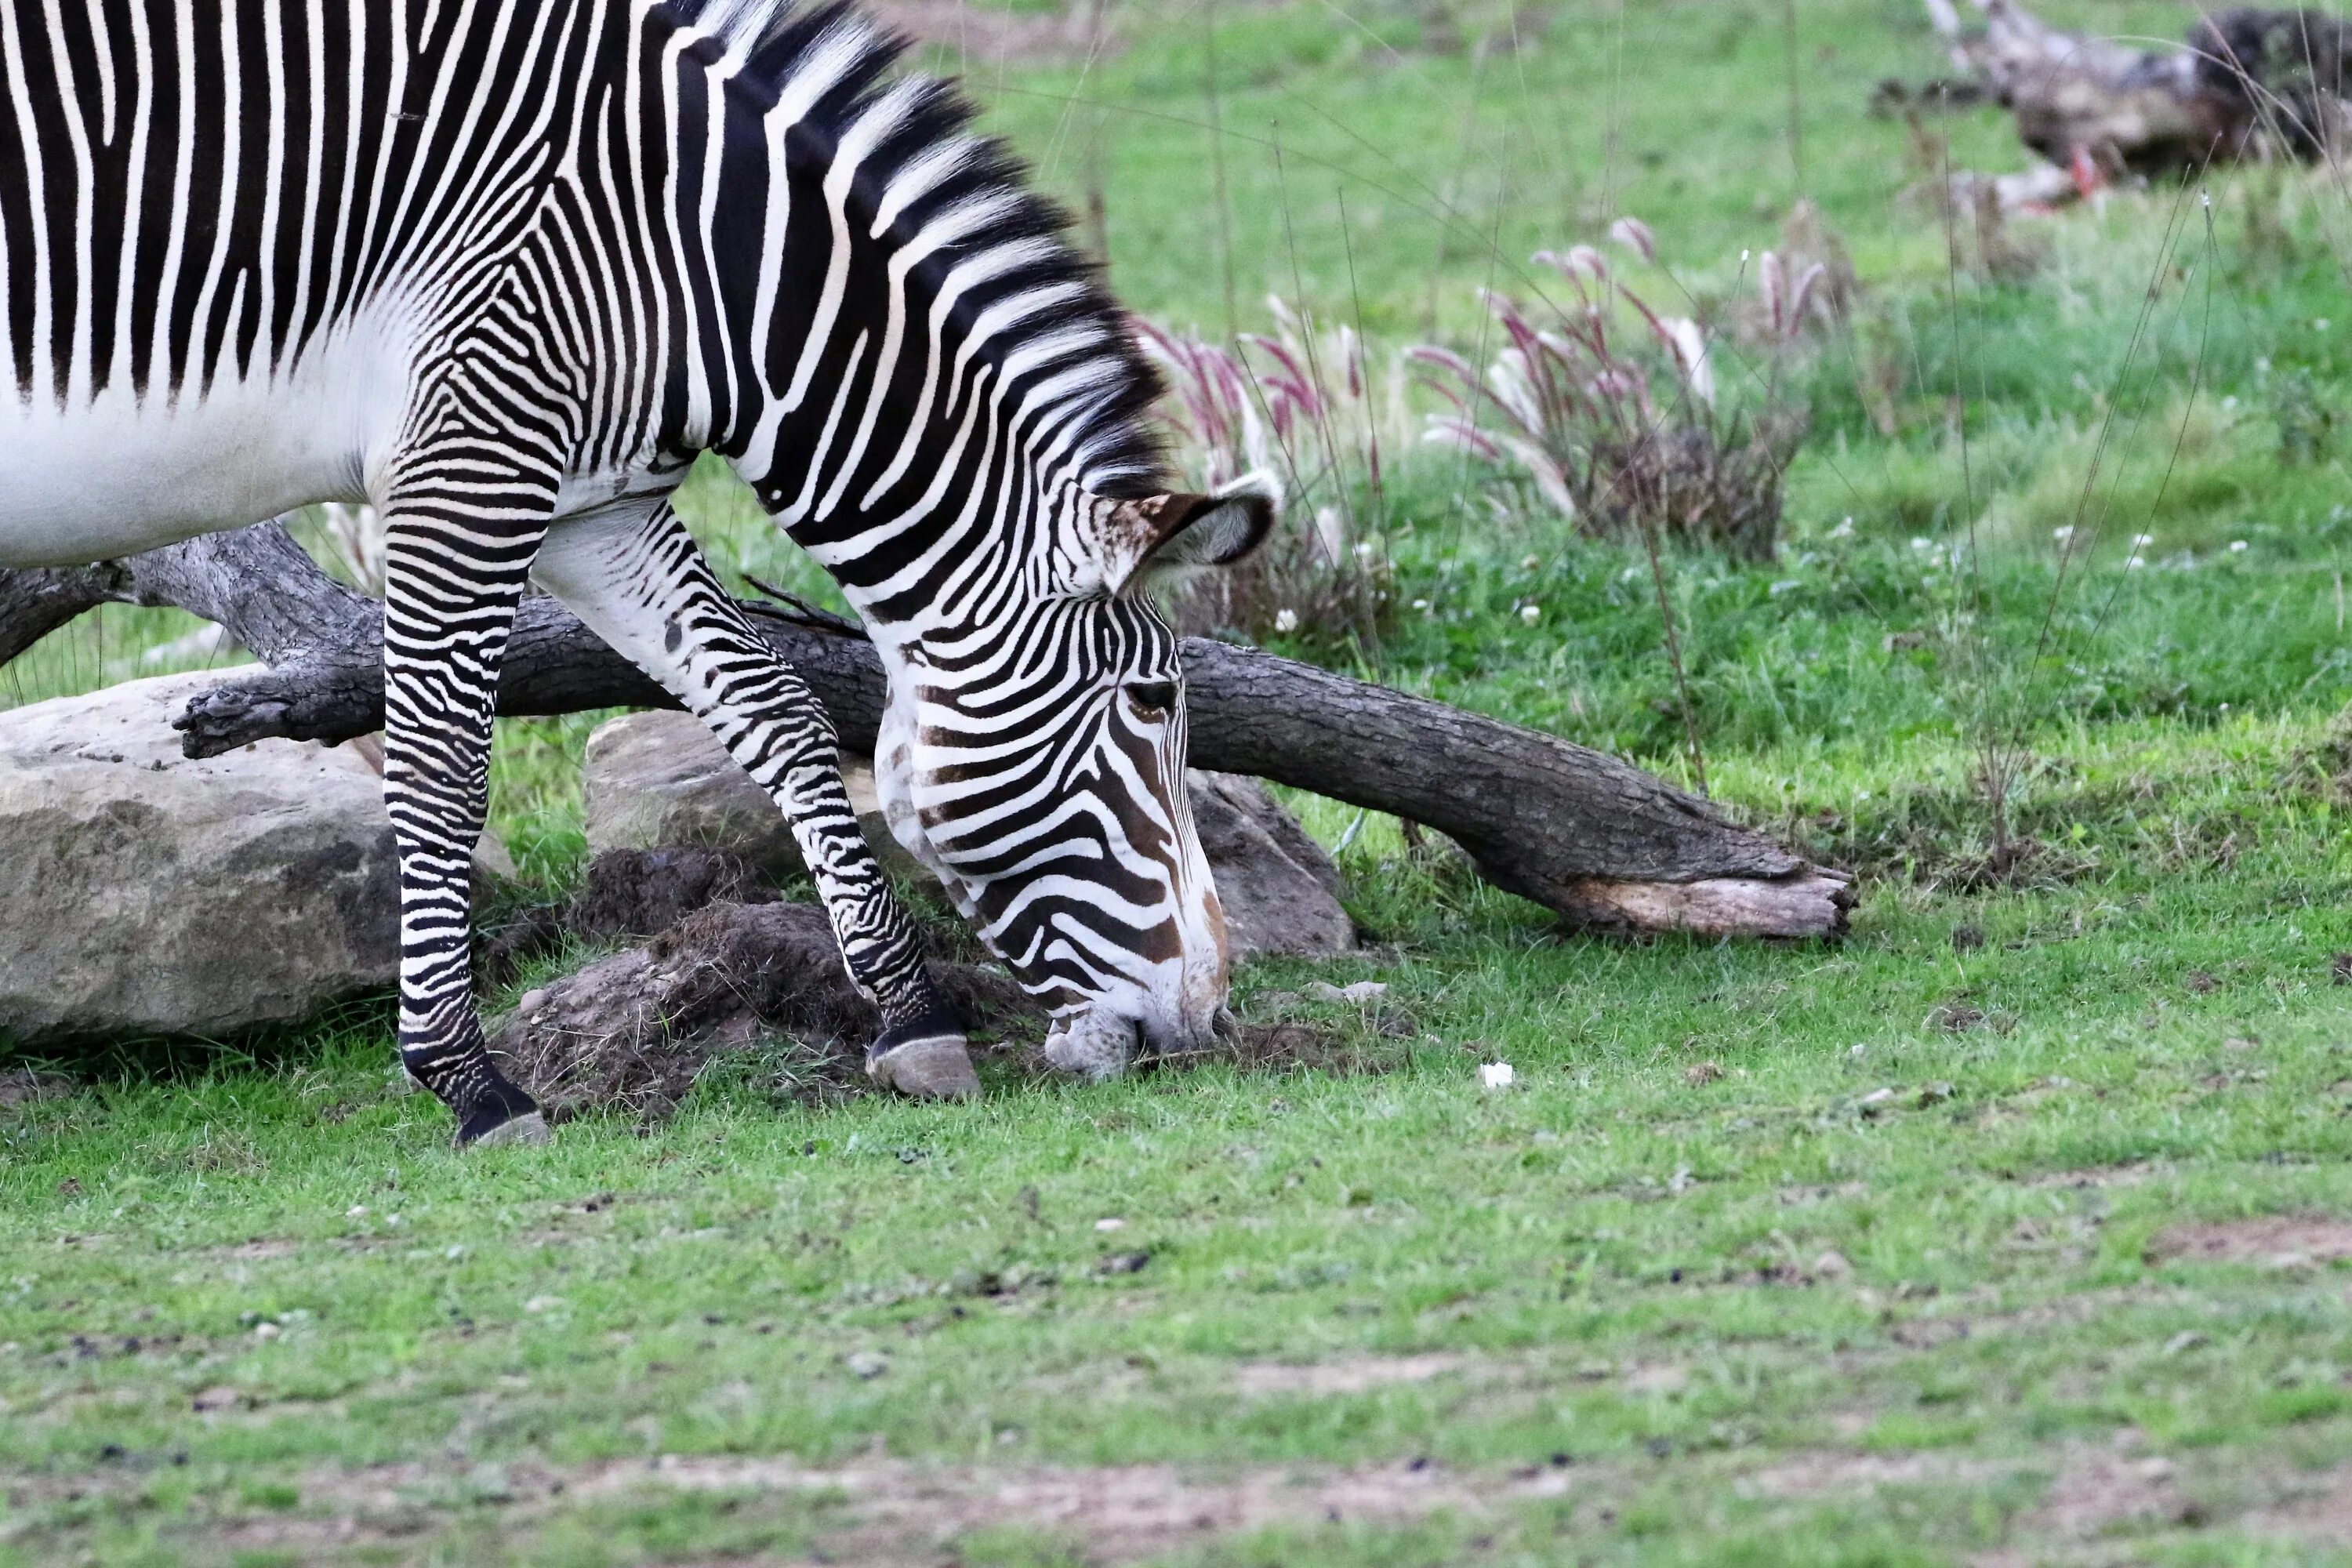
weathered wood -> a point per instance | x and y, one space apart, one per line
2247 82
1603 843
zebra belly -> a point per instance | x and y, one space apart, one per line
119 474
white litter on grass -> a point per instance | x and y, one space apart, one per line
1497 1075
1111 1224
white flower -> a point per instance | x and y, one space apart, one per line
1286 620
2237 547
2063 534
1497 1075
1530 614
1421 605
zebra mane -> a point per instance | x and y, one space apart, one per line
922 161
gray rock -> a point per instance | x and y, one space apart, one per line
142 892
1280 891
662 781
659 781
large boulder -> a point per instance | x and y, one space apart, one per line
142 892
149 893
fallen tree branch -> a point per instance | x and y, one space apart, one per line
2247 82
1606 845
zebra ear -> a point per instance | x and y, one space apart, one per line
1171 532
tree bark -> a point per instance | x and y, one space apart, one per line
1605 844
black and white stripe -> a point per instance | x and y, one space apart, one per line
503 267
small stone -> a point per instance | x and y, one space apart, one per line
221 1398
1107 1226
267 1330
1832 1265
866 1364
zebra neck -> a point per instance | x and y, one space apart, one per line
903 357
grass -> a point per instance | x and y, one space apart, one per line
2010 1230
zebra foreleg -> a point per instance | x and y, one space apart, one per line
638 578
455 569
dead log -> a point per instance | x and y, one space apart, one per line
2245 83
1606 845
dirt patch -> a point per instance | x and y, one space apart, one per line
2276 1241
2136 1173
2096 1492
24 1086
1829 1473
894 1513
1349 1375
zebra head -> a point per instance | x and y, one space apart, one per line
1034 757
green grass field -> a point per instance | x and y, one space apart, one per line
2015 1229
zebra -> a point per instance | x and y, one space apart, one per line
505 268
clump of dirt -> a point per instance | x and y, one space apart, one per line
2279 1241
24 1086
644 892
634 1031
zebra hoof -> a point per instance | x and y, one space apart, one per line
1092 1047
934 1068
522 1131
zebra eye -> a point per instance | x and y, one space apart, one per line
1153 696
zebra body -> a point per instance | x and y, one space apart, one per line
503 267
